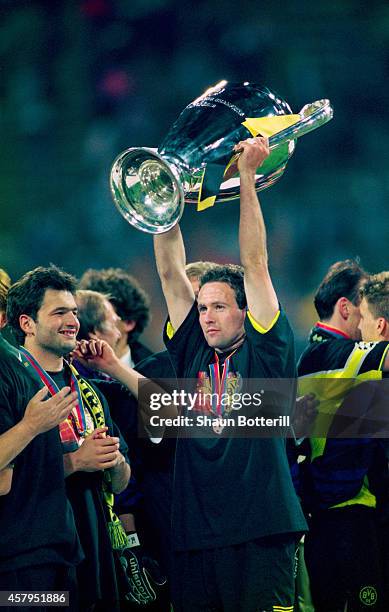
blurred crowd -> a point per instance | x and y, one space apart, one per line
97 76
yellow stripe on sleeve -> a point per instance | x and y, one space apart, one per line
258 327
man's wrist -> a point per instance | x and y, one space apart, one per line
128 521
113 367
27 429
247 174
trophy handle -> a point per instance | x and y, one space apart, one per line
313 116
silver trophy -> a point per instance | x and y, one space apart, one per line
195 162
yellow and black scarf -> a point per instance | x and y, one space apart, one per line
76 427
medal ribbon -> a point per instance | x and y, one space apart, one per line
77 416
219 384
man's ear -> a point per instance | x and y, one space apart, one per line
128 325
343 307
383 328
27 325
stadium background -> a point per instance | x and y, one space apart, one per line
82 80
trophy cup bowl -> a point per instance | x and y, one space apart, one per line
151 186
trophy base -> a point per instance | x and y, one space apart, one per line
147 190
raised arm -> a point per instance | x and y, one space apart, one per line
261 297
99 355
170 259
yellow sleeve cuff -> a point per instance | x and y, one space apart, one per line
169 330
258 327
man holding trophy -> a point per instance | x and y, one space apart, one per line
236 517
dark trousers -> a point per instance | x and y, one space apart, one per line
342 553
249 577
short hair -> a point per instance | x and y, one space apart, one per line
198 268
27 294
343 279
231 274
91 312
376 293
127 297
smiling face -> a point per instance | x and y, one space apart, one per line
221 320
55 329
